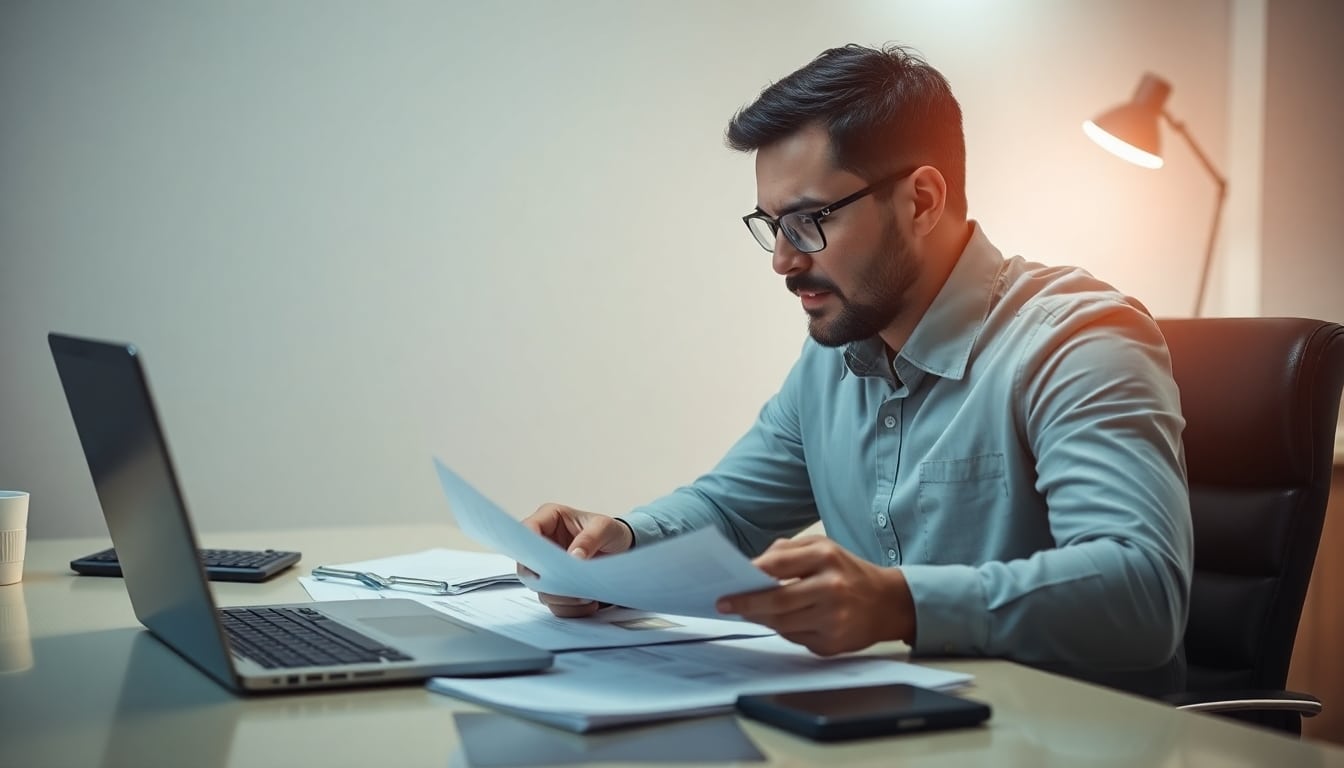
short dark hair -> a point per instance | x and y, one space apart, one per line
882 108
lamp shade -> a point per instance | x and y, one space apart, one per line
1131 129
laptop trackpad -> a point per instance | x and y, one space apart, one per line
414 626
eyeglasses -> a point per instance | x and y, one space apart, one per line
408 584
803 229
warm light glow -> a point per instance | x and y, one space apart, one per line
1119 148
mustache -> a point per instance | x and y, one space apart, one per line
809 283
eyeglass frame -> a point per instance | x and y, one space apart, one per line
815 217
411 584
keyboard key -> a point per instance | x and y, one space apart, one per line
299 637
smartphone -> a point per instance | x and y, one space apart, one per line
836 714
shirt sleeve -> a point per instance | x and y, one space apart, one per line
758 492
1096 405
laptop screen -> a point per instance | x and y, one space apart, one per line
114 415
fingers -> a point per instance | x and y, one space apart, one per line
800 558
561 605
587 534
600 535
844 604
819 582
583 535
575 612
800 614
550 521
568 607
816 642
770 605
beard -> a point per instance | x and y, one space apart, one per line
886 280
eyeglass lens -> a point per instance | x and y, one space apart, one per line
802 232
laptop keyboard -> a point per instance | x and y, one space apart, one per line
299 637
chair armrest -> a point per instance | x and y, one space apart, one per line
1233 701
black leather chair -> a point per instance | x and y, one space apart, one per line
1261 397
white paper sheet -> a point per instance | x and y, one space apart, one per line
599 689
515 611
682 575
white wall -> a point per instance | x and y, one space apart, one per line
350 235
1303 268
1303 259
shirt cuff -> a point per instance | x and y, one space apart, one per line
633 538
951 612
644 527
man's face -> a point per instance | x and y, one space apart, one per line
856 286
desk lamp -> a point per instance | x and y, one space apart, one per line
1130 131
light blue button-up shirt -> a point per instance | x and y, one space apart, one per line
1019 459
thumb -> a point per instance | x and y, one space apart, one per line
585 544
597 537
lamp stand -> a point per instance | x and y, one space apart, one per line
1218 179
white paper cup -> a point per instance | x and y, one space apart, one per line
13 535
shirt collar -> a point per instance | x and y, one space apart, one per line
942 340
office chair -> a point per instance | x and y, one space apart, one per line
1261 397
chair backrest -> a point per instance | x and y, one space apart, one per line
1261 397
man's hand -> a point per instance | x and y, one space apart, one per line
583 535
831 602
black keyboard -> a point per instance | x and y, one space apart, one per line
299 637
220 564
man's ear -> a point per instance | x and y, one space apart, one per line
929 196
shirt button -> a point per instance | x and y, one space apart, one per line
891 554
881 520
890 421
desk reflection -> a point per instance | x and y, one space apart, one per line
170 714
1061 732
16 644
492 740
57 710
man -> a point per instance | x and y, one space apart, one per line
993 446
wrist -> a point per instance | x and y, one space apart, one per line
630 531
900 612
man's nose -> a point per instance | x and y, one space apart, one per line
787 259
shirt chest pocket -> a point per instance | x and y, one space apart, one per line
956 500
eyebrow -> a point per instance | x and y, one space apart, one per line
801 204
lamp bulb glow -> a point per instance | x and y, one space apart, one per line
1120 148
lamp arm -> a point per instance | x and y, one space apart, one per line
1221 183
1179 127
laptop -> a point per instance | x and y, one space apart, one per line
252 648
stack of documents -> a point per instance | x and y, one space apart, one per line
601 689
515 612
